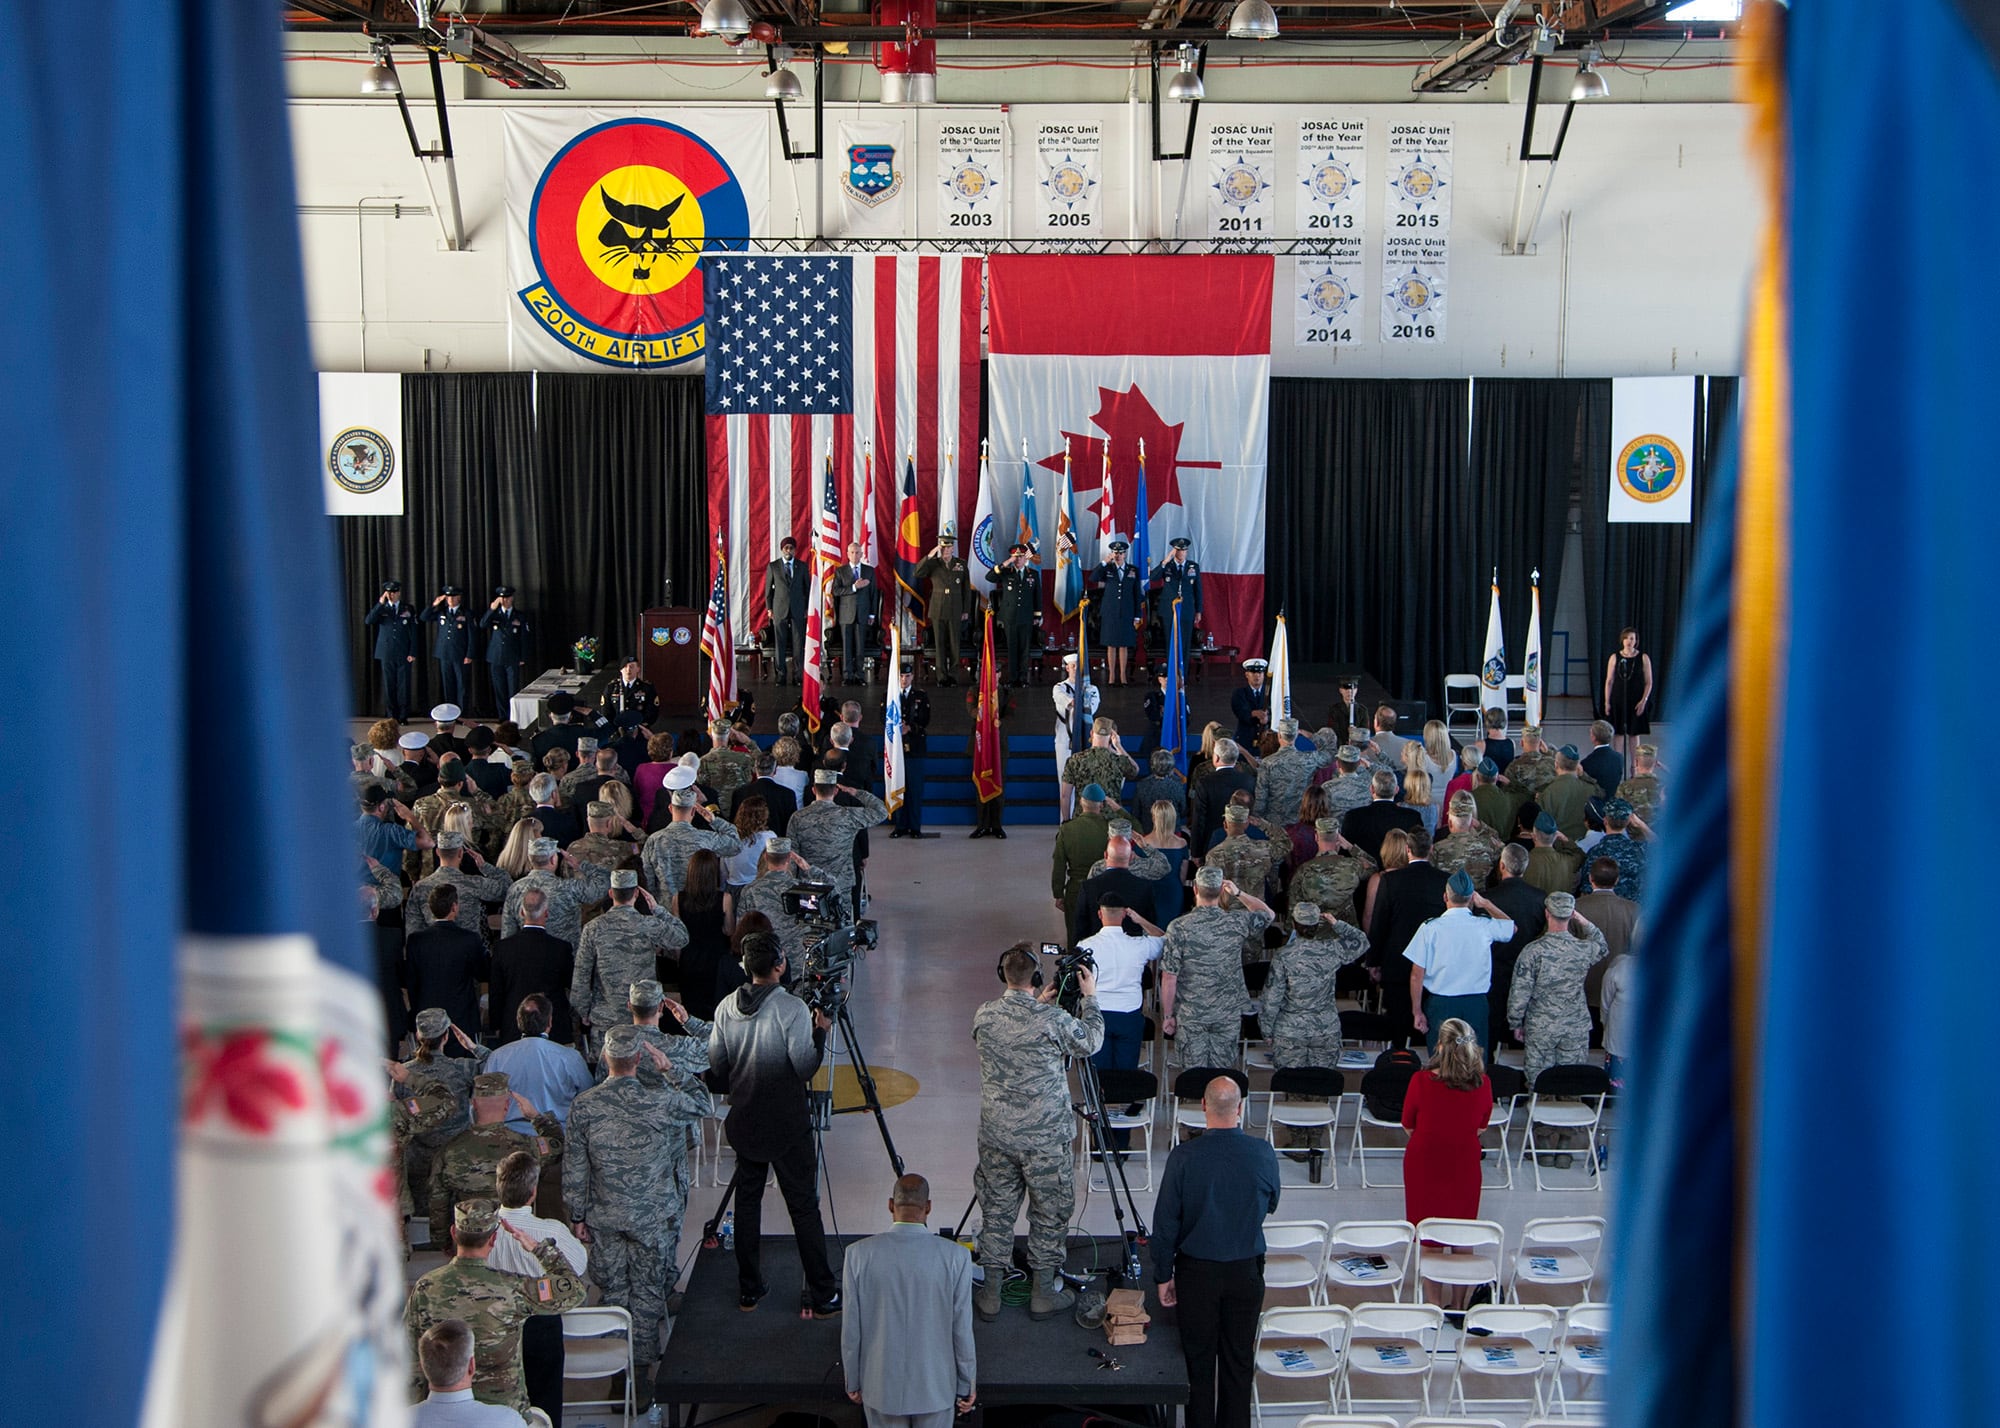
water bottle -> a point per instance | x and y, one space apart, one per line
729 1230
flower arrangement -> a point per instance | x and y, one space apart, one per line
585 650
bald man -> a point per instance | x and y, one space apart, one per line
906 1338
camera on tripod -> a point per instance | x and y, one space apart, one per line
832 944
1069 962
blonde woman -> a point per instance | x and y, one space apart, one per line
1417 793
1441 762
1445 1108
619 796
1205 760
1395 854
1169 893
514 859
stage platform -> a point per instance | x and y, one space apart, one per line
720 1355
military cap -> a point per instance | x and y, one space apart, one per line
627 659
1568 751
1532 731
1235 813
950 531
1121 545
779 848
632 719
621 1043
544 848
718 726
1208 879
414 740
361 751
1093 793
489 1084
1180 542
906 667
827 778
1287 728
451 590
678 777
1488 769
598 808
1328 824
1617 808
479 739
1348 681
1016 548
1561 905
476 1217
450 769
645 995
1545 823
1069 659
446 713
1305 914
1256 666
586 745
450 840
689 761
433 1022
1460 884
561 702
1347 754
624 878
1121 828
502 591
683 798
392 586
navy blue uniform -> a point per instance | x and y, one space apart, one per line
395 650
1245 703
1017 599
1182 581
506 652
916 736
451 647
1121 599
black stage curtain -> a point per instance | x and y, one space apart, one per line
1638 574
474 514
1534 442
628 483
1366 478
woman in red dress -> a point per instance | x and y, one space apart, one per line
1444 1110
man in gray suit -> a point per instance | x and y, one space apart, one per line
446 1353
906 1341
854 610
786 599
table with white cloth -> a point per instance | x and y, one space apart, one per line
528 706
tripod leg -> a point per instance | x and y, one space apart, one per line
866 1079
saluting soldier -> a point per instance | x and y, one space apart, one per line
395 626
618 948
506 646
1298 1006
1546 1005
951 598
1202 993
1282 779
466 1165
451 646
1331 879
1017 605
1121 609
1180 579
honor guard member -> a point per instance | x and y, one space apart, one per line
1546 1005
465 1166
629 694
506 647
1251 703
1074 684
787 602
621 946
447 738
1202 993
451 645
1121 610
1026 1122
1180 579
916 737
1017 605
1331 879
395 626
492 1304
823 831
626 1180
950 600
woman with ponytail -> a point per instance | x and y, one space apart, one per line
1445 1108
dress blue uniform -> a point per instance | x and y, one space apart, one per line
1179 580
506 647
395 627
452 647
1121 600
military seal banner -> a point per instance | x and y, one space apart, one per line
1652 441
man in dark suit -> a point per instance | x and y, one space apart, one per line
557 822
1603 765
444 964
788 602
1405 899
781 802
1211 795
532 960
854 609
1365 827
384 932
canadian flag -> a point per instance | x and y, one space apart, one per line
1096 352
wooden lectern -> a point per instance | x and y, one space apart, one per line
670 658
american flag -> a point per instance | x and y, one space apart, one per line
825 555
808 355
716 642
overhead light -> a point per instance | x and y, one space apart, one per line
1726 12
726 18
496 59
782 85
1589 83
1253 20
1186 85
381 76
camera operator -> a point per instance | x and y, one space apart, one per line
765 1046
1026 1125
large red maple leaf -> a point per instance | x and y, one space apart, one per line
1126 418
233 1073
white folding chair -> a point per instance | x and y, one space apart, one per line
1460 1253
711 1126
1429 1422
1295 1257
1364 1120
1123 1088
1461 702
1585 1343
597 1343
1568 1099
1557 1254
1507 1096
1297 1346
1507 1343
1318 1092
1514 699
1392 1344
1364 1257
1189 1086
1347 1420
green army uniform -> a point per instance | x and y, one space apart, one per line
1554 869
1567 800
1079 844
1497 807
950 601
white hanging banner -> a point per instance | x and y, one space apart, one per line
1652 446
1242 166
971 169
1329 310
1069 188
361 442
872 173
1416 250
1332 211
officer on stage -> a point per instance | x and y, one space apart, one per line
629 694
1251 703
506 646
951 598
916 735
1017 605
1121 609
452 646
395 627
1180 578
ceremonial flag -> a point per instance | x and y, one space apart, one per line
1531 675
909 537
1069 560
716 642
864 514
983 547
894 775
1279 675
1079 715
947 492
1142 545
810 353
1107 511
1031 522
825 555
1493 668
989 760
1173 724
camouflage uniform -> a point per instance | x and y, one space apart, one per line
1347 792
1554 869
602 850
488 832
1642 791
388 887
1283 779
464 1168
1529 774
1105 767
667 852
1026 1122
823 833
1331 880
626 1176
455 1074
1148 863
1630 856
512 806
418 1105
616 950
725 770
1250 863
567 898
687 1055
1547 1000
1204 951
474 892
1298 1011
767 895
1476 850
494 1306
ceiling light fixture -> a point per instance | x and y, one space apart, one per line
782 85
725 18
1253 20
1186 85
381 76
1589 83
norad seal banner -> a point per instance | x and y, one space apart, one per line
608 215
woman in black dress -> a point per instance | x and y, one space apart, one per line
704 907
1628 690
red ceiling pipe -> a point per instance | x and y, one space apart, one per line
908 70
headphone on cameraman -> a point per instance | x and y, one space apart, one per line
1000 971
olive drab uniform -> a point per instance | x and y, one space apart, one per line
1017 599
454 1074
950 602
